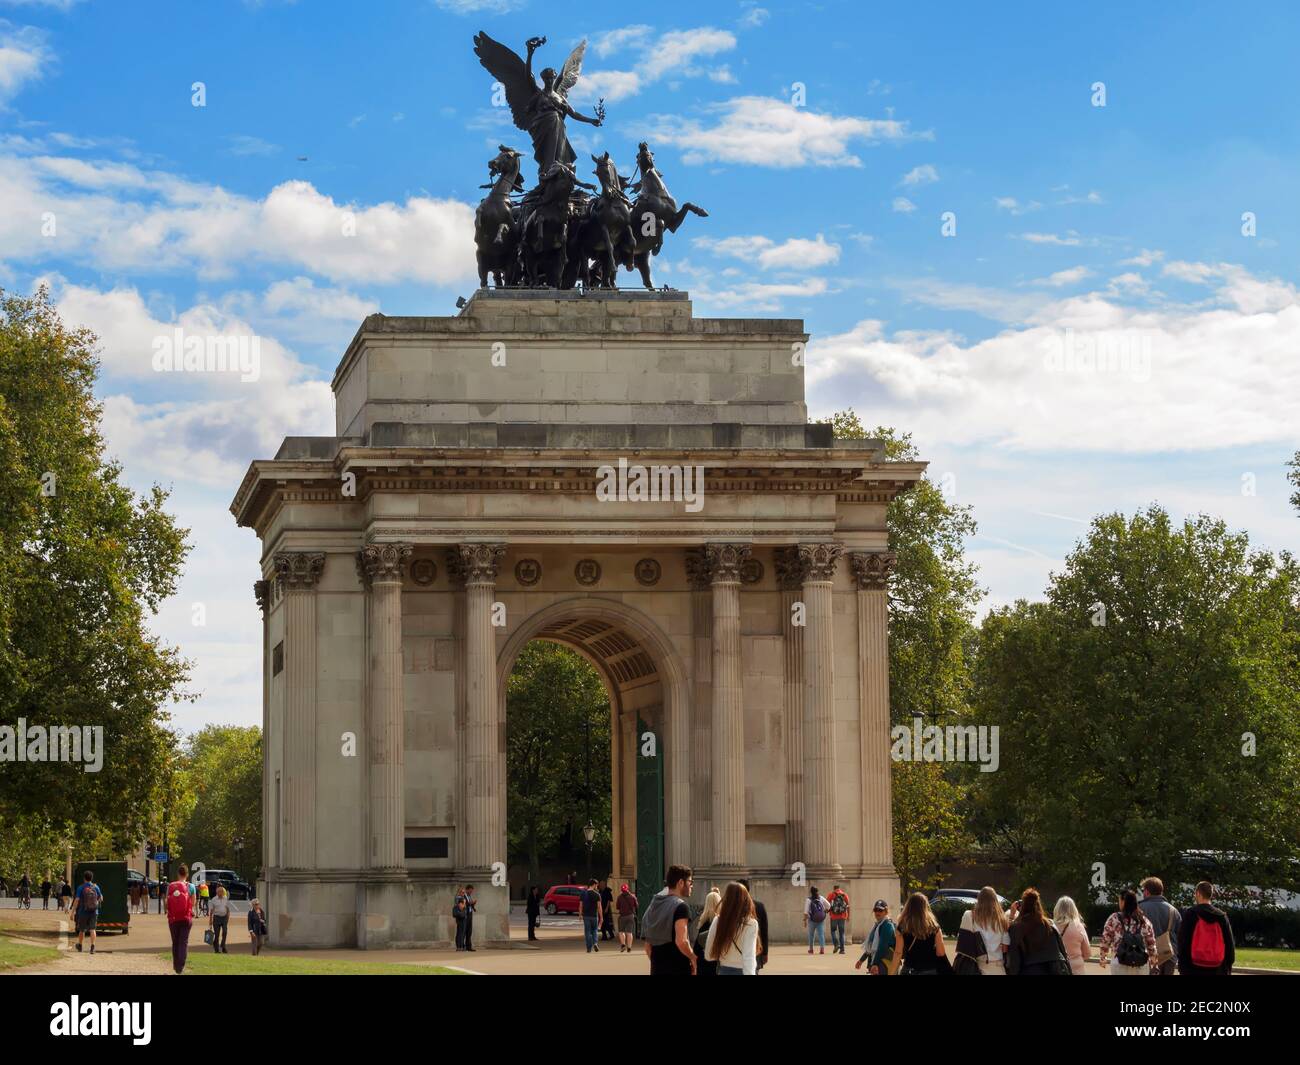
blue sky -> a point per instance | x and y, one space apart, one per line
1077 228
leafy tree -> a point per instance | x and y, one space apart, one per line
220 799
1151 706
933 594
928 823
557 710
83 561
1294 478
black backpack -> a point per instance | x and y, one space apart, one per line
1132 951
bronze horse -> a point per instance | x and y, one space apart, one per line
545 236
601 232
496 227
654 213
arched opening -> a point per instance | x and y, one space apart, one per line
643 683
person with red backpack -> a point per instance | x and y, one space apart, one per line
1205 946
86 908
180 917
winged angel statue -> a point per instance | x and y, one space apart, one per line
538 110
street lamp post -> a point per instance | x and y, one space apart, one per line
239 856
589 834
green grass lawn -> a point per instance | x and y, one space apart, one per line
1259 958
14 955
205 963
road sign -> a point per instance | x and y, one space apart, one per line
160 857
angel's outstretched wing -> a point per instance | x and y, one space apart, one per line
511 72
571 69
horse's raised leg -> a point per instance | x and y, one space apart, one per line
643 264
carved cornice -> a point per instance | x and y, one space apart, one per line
819 559
383 562
871 569
724 561
297 570
475 563
262 591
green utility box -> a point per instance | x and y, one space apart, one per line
114 913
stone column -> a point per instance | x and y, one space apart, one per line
819 793
483 832
296 574
701 835
728 725
262 591
789 579
871 572
382 567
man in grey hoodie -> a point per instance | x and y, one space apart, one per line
665 927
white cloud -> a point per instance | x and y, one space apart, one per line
1014 206
797 253
118 217
1146 257
763 131
1070 240
925 174
672 54
753 16
23 58
1062 278
1091 374
902 205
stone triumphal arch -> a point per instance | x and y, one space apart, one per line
462 509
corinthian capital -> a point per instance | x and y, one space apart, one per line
475 563
819 559
262 590
871 569
297 570
790 568
383 562
723 561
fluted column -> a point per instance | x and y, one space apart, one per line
701 835
262 592
382 567
871 571
789 579
728 738
484 834
819 794
296 574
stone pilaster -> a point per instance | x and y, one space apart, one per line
789 579
296 575
483 833
727 752
262 592
871 571
820 846
382 568
697 576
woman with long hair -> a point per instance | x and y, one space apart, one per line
712 901
1074 934
988 919
1035 947
732 941
918 950
1128 933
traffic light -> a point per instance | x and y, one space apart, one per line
149 850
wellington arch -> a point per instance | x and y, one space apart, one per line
462 510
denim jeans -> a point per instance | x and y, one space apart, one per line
837 934
730 970
219 927
817 930
589 931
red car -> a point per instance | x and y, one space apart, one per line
563 898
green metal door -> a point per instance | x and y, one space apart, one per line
649 816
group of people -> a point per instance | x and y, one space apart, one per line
1147 936
598 908
462 909
60 891
731 939
182 906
